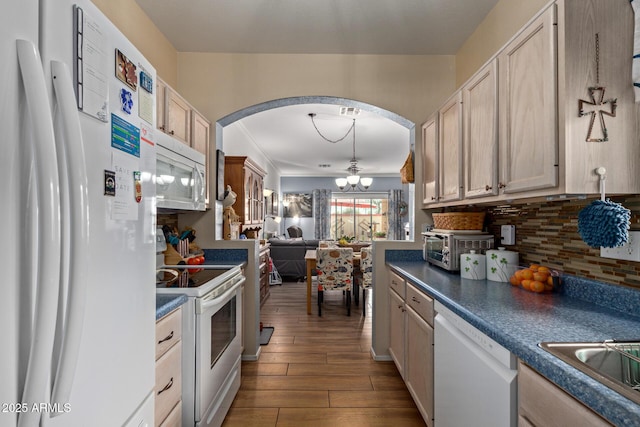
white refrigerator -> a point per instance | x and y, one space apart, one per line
77 170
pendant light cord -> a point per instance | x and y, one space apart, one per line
353 125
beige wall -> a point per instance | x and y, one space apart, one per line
138 28
504 20
220 84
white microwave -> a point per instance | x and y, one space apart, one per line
180 175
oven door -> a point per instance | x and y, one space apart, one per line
218 346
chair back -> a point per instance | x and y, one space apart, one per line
334 268
366 266
294 231
327 244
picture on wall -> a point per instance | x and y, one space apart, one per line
299 204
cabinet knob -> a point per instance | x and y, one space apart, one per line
167 338
501 185
162 127
171 132
487 187
433 197
167 387
414 299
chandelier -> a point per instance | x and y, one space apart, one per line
352 181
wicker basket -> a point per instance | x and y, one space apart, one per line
458 220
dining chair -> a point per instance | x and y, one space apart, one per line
366 269
327 244
334 268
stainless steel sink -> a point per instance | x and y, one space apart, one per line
615 364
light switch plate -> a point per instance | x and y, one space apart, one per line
630 251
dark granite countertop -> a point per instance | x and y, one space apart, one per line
165 304
519 320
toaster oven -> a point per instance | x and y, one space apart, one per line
444 247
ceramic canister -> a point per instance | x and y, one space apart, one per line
473 266
501 264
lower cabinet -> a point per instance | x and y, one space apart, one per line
264 273
419 351
168 389
542 403
411 341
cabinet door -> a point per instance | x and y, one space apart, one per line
397 332
161 93
248 193
450 150
178 117
430 161
542 403
528 108
419 368
200 129
480 101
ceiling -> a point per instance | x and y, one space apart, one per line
286 134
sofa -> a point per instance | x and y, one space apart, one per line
288 256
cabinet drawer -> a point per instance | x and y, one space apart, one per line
397 283
264 257
168 331
168 388
174 419
421 303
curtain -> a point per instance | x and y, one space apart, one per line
322 214
397 210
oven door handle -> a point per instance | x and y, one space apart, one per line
208 301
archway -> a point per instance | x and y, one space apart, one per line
232 118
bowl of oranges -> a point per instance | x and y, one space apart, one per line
536 278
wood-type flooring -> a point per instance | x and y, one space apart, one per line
318 371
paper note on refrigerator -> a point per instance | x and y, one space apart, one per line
91 61
124 205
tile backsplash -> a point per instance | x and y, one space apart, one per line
547 233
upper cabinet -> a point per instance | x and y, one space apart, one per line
480 124
450 150
524 134
528 108
430 160
179 119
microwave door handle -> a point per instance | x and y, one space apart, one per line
199 185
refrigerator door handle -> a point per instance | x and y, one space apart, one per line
78 234
49 240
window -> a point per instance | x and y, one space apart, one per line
359 216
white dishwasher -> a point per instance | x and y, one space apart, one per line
475 378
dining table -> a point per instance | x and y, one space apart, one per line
310 258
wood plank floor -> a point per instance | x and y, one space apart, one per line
317 371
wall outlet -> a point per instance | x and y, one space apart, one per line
630 251
508 235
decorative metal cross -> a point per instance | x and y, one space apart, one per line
598 110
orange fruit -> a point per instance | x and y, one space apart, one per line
543 269
534 267
536 286
514 280
548 288
526 283
527 274
518 274
540 276
550 280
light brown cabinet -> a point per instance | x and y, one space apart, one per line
543 73
419 351
263 266
450 150
528 108
411 341
246 179
200 132
178 116
480 124
168 388
542 403
430 161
